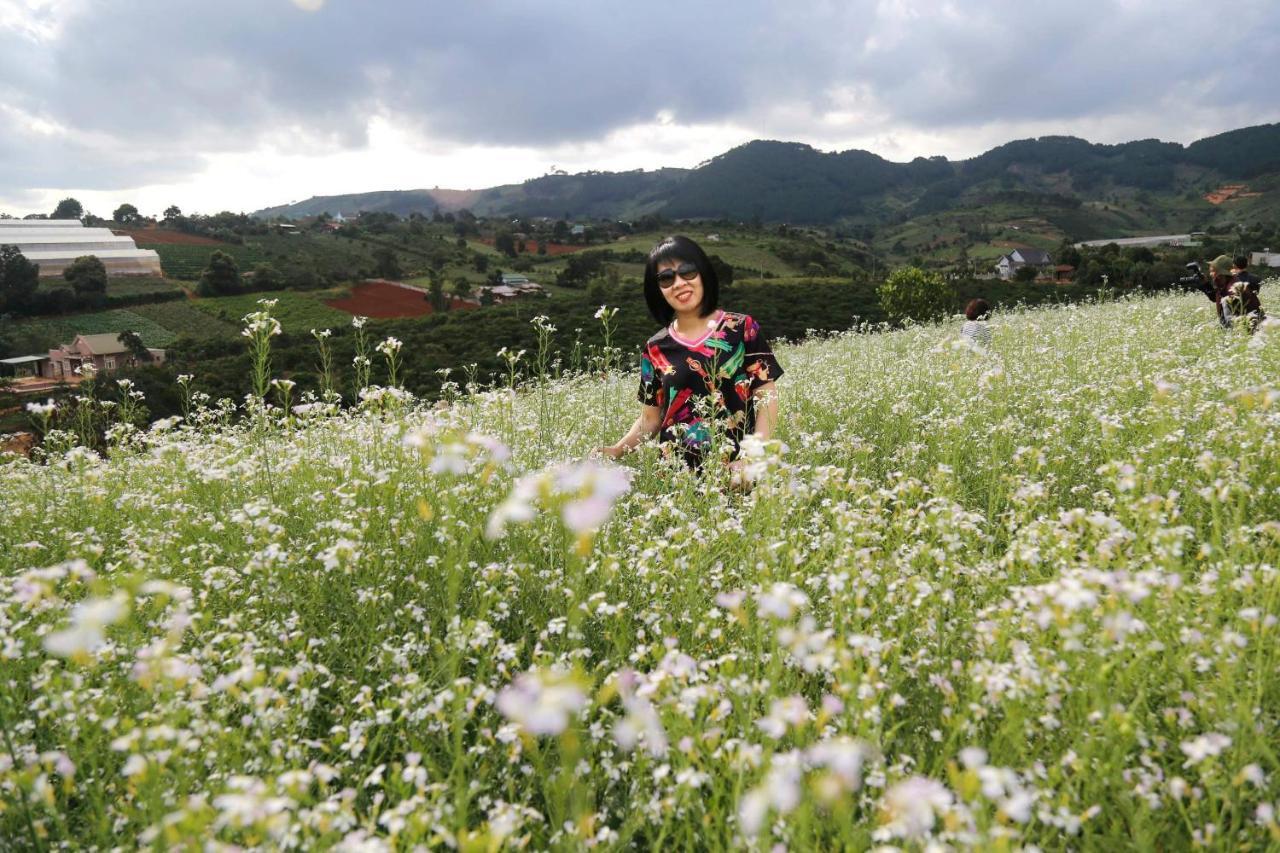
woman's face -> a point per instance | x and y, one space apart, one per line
683 294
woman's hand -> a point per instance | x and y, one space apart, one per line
612 451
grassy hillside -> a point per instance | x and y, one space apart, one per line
1145 186
1025 597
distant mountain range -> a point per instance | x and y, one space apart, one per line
791 182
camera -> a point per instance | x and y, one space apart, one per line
1194 280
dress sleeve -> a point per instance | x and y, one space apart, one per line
650 386
758 360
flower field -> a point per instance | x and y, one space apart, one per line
1008 599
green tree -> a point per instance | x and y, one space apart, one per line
126 214
1026 274
505 243
724 272
267 277
68 208
19 279
386 263
435 294
910 293
172 213
221 277
87 277
133 342
462 287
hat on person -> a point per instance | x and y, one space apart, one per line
1221 265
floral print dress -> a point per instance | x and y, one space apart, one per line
704 387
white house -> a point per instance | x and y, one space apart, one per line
1009 264
1265 258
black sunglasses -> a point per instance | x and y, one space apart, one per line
686 271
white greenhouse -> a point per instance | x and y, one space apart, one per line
55 243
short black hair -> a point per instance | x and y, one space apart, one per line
678 248
977 309
1241 262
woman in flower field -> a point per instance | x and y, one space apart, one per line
707 378
975 331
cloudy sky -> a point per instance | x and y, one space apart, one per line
240 104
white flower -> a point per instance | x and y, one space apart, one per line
42 409
844 757
1205 746
641 721
585 492
89 619
260 323
911 807
730 600
784 713
541 701
389 347
780 792
358 321
781 601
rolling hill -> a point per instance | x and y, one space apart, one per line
1155 184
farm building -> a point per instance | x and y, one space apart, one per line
55 243
1265 258
513 287
1009 264
105 352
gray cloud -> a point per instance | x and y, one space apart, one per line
149 87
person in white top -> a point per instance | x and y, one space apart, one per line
975 331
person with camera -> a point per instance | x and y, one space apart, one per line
1195 280
1246 286
1237 298
1220 281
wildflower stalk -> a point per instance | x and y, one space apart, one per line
86 403
184 395
13 756
260 328
608 322
327 392
390 349
362 362
542 326
511 359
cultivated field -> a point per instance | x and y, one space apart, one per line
382 299
51 331
993 600
297 311
187 261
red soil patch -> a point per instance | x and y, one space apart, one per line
21 443
531 247
163 236
378 298
1229 192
